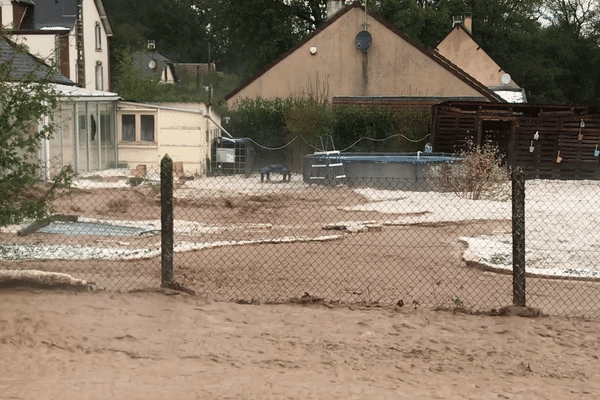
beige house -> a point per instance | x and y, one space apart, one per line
460 48
73 33
357 55
184 131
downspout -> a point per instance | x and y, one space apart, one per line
46 155
46 149
115 134
365 73
79 46
218 125
208 146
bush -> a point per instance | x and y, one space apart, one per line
480 175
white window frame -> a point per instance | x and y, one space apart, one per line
98 36
138 127
99 76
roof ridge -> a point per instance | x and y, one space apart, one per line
459 73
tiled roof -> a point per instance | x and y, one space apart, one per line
25 63
59 14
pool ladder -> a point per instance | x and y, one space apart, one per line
328 165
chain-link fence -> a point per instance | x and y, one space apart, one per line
387 241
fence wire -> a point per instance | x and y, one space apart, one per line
388 241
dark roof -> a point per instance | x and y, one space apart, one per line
142 61
25 63
433 55
48 14
54 14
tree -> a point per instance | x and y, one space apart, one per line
259 31
179 28
26 100
424 22
133 85
580 17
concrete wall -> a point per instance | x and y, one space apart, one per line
392 66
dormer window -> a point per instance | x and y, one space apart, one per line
98 37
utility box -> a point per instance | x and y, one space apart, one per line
230 156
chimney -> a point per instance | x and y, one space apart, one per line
468 23
333 6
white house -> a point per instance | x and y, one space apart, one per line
73 33
85 135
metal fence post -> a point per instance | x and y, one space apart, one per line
166 206
518 236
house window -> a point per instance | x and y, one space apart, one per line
128 127
99 76
98 37
137 127
147 125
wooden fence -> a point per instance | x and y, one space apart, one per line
546 141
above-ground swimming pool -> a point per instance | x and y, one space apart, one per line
407 171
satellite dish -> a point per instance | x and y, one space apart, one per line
363 40
505 79
152 64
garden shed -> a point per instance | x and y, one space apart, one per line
546 141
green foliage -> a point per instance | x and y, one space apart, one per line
355 122
261 120
259 31
381 129
133 85
274 123
183 30
424 22
26 109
